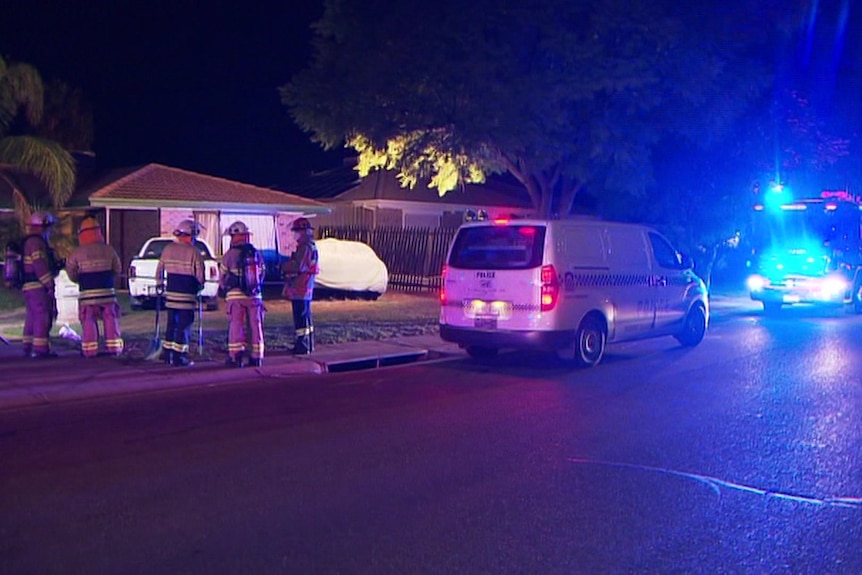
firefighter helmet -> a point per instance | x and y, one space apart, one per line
88 224
236 229
187 228
41 220
301 224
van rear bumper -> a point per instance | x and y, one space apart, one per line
468 336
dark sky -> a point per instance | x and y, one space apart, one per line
187 84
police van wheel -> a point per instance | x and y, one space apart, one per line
480 352
589 345
694 327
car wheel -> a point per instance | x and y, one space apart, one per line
693 328
481 352
771 307
589 345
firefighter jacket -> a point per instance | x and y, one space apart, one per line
181 266
40 267
93 267
300 269
232 269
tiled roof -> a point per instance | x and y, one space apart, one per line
326 184
498 190
164 186
343 184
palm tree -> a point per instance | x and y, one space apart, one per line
21 105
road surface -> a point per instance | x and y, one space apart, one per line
743 455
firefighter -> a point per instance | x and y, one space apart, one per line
93 265
180 273
242 271
299 272
40 269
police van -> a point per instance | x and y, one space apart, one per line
570 286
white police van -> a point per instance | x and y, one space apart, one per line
570 286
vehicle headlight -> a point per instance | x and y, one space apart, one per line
756 282
834 285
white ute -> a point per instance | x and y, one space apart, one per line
142 273
568 286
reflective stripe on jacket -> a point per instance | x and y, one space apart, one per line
38 272
182 267
93 267
299 271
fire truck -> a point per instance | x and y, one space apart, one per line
807 250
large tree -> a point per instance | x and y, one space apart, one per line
562 94
21 108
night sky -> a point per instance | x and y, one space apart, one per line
194 84
187 84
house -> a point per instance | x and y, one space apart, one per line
140 202
379 200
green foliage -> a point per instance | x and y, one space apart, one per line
564 95
21 111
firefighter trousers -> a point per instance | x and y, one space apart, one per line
242 312
39 316
90 315
304 329
179 331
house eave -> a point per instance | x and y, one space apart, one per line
208 206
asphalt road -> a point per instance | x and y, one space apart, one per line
743 455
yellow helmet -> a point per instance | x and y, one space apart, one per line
89 223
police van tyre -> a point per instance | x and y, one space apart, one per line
481 352
694 327
588 347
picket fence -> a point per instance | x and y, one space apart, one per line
413 256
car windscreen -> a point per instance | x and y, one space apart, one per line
154 250
511 247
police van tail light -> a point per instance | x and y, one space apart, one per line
550 288
443 273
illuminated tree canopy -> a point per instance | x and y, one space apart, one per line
563 95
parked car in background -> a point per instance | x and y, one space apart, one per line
142 274
348 270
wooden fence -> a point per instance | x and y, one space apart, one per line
413 256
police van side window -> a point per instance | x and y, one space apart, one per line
665 255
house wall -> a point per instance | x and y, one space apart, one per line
129 229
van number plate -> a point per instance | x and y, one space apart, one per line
486 322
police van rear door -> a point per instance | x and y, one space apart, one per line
493 277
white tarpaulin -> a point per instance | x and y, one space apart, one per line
352 266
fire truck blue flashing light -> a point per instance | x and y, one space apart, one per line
776 197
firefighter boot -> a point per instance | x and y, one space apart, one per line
181 360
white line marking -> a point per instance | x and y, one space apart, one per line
715 484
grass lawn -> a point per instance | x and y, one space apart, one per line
393 314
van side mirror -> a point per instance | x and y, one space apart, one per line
686 262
